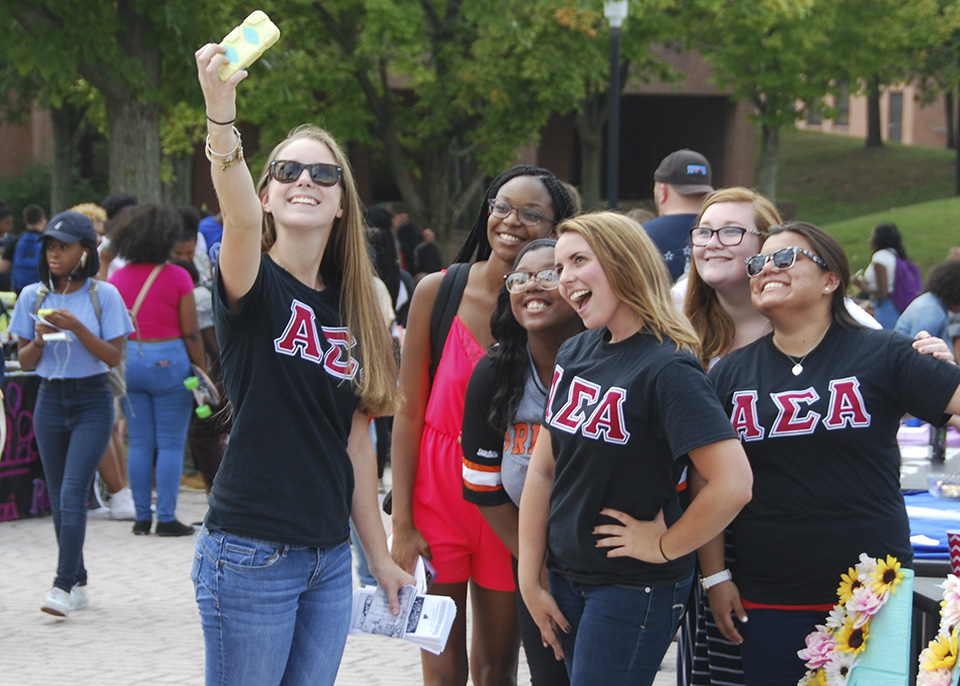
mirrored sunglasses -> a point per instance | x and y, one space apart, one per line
784 258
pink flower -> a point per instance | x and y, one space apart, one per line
937 677
866 603
820 645
951 601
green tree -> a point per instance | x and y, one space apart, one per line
769 53
135 54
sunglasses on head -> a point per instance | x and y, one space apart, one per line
288 171
784 258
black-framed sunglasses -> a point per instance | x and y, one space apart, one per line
528 216
323 174
727 235
547 279
784 258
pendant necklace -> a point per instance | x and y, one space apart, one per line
797 368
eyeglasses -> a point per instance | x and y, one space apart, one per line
727 235
547 279
527 215
784 258
288 171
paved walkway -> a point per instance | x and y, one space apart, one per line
142 625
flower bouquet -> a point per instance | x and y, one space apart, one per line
837 653
938 661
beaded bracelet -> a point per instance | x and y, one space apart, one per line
228 159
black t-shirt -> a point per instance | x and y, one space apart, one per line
671 233
286 475
825 459
622 418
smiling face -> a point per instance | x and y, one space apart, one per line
62 258
721 266
535 309
584 284
508 235
804 287
303 203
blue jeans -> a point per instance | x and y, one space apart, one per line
73 419
886 313
158 415
272 614
618 635
771 640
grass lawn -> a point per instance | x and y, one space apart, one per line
827 178
835 182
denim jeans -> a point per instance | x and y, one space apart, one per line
158 415
272 614
771 640
618 635
73 419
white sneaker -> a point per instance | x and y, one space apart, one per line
121 505
79 598
57 602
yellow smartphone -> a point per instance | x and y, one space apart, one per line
247 42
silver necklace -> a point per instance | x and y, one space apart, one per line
797 368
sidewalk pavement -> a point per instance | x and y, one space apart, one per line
142 626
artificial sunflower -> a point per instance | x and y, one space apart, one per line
941 653
886 576
849 583
852 639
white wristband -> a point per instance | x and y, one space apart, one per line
709 582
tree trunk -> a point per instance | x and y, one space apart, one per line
66 135
589 122
177 190
134 150
767 168
874 135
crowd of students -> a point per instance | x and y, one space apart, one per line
559 451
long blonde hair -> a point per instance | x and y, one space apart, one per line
347 260
636 272
713 326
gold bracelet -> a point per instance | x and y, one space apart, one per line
225 160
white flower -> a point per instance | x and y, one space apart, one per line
937 677
838 668
837 617
865 568
951 601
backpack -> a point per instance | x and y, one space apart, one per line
907 284
26 260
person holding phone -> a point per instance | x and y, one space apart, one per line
306 360
73 416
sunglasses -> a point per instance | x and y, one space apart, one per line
547 279
288 171
527 215
727 235
784 258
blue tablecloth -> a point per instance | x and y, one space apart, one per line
932 526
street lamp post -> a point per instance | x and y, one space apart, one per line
615 11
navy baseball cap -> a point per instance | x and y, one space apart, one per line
687 170
71 227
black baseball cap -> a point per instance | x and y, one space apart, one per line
687 170
71 227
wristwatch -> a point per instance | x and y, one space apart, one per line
709 582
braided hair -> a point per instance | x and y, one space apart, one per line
477 246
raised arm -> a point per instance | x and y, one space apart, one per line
239 258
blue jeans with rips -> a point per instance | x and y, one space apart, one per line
73 419
272 614
618 635
158 416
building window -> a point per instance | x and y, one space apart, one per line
842 104
814 113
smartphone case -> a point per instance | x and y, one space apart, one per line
247 42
